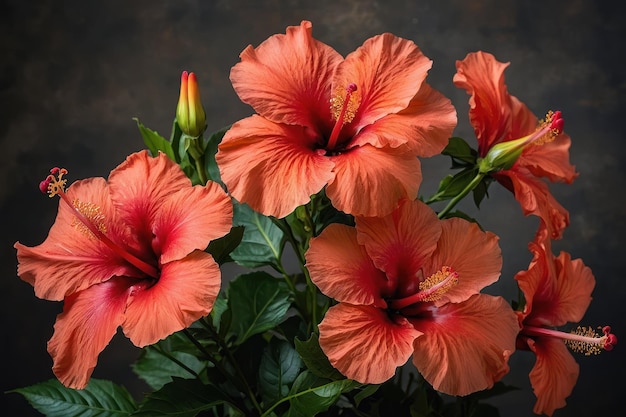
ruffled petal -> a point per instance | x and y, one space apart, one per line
287 78
401 242
562 291
390 174
341 269
189 219
473 254
388 72
364 344
465 347
139 186
550 160
272 167
85 327
185 292
482 76
71 258
553 376
534 197
425 125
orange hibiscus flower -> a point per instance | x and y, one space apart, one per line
128 252
408 284
498 117
557 291
354 125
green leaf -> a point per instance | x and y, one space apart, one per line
210 149
461 153
258 302
311 395
480 192
157 367
367 391
262 242
315 359
280 365
155 142
222 247
181 398
452 185
100 398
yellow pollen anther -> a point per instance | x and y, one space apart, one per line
338 101
56 182
589 343
92 213
547 124
436 285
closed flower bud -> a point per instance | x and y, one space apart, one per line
190 114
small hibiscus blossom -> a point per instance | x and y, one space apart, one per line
499 118
355 126
408 284
557 290
125 252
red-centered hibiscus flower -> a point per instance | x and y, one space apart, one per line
498 117
408 283
557 290
128 252
354 125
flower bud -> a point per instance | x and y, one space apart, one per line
190 114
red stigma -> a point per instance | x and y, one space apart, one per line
557 122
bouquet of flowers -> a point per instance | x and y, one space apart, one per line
326 175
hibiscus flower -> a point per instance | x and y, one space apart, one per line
557 290
497 118
408 284
128 252
353 125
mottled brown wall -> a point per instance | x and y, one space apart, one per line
74 73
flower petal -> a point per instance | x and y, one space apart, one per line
550 160
189 219
390 174
534 197
401 242
388 72
465 346
364 344
557 289
474 255
425 125
85 327
341 269
553 376
71 258
287 78
139 186
272 167
185 292
482 76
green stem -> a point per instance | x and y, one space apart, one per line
217 365
220 341
462 194
176 361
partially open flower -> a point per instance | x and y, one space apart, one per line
557 290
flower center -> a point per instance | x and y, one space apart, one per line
431 289
89 220
585 340
343 107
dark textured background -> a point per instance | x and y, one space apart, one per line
73 75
